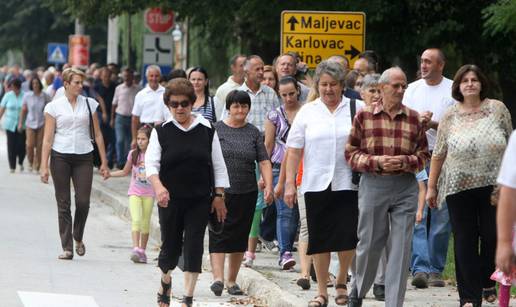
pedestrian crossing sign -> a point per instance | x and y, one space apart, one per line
57 53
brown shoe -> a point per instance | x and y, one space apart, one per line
436 280
420 280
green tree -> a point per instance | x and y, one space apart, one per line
469 31
500 17
28 26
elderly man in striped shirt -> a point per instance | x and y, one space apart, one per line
388 145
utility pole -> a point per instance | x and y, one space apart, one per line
79 27
112 43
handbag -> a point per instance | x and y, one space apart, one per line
95 153
355 176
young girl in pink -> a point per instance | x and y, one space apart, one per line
141 195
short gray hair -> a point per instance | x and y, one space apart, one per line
248 60
385 78
152 67
369 80
331 68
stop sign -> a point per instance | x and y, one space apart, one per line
158 21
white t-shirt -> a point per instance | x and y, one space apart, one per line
148 103
507 176
72 135
222 93
323 135
436 99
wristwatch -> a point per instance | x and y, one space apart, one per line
221 195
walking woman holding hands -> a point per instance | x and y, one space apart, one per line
67 141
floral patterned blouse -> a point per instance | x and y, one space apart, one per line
472 145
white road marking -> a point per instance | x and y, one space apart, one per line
41 299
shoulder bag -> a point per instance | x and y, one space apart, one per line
95 153
355 176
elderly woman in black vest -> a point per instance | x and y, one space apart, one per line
189 182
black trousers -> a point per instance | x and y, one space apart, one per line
182 225
15 147
473 219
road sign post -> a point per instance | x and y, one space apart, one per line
316 36
158 41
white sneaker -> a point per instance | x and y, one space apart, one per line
248 259
270 246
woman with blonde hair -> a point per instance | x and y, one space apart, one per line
67 140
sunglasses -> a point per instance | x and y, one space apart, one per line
175 104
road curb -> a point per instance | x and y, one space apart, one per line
255 283
259 286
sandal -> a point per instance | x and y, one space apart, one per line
164 296
331 280
217 287
341 299
66 255
489 294
80 249
188 301
316 303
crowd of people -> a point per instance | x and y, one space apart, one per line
369 174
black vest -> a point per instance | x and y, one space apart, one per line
186 168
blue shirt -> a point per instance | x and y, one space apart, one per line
13 106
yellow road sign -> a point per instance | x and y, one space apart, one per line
316 36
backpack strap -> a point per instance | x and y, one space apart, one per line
214 116
353 107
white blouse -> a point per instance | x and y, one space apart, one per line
72 133
323 135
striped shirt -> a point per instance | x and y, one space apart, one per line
262 102
375 134
207 110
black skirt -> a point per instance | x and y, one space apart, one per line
237 225
332 219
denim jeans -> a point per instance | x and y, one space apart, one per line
287 220
430 241
123 138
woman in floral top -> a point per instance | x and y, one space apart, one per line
471 140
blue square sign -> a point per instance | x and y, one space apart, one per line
57 53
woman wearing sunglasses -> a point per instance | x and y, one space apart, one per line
184 179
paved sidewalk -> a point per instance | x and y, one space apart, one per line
266 281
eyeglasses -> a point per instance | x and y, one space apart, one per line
174 104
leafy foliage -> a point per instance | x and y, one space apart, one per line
500 17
